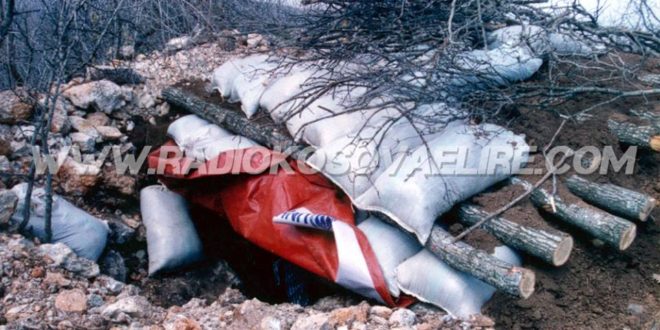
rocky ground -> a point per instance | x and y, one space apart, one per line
48 286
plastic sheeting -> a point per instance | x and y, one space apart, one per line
83 233
502 66
172 241
415 191
430 280
391 246
540 41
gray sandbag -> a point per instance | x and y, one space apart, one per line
172 240
415 191
430 280
83 233
391 246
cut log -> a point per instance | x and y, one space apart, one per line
618 200
513 280
233 121
643 136
612 230
517 281
549 247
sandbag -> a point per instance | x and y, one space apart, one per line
172 240
501 66
430 280
354 162
415 191
279 98
541 42
83 233
243 80
391 246
202 140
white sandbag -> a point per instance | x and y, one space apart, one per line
354 162
501 66
421 187
430 280
391 246
541 42
202 140
243 80
279 98
83 233
172 240
535 37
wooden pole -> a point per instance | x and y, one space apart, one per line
514 280
618 200
614 231
643 136
549 247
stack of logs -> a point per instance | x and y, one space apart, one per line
587 214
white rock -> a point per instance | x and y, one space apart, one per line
103 95
83 125
135 306
312 322
85 142
8 202
402 318
109 133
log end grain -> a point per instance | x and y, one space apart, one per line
527 282
654 143
627 237
647 209
563 252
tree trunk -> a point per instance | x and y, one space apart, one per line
643 136
614 231
503 276
549 247
625 202
513 280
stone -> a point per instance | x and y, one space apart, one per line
656 277
71 301
312 322
77 178
38 272
145 99
12 109
348 315
58 253
113 265
109 133
16 312
635 309
86 143
183 323
179 43
60 122
102 95
112 285
255 40
134 306
482 321
98 119
8 202
83 125
270 323
6 137
57 279
95 300
380 311
62 255
402 317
